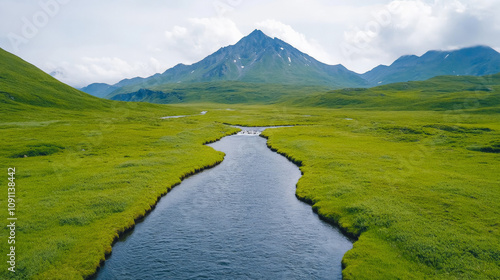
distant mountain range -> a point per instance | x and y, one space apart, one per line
258 58
475 61
25 88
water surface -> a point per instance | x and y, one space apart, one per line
239 220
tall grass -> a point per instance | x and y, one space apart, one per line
420 202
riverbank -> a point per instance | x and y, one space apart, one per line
395 189
129 228
111 171
353 237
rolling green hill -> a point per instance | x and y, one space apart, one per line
439 93
23 84
224 92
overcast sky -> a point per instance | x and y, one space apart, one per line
108 40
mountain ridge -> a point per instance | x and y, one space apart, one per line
258 58
471 61
255 58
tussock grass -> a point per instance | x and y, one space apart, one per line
427 208
72 204
83 183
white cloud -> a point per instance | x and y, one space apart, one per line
414 27
274 28
202 37
156 65
185 44
103 69
176 33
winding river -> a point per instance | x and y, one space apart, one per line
239 220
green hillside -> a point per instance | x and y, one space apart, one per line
23 83
225 92
439 93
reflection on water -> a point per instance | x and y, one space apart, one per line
239 220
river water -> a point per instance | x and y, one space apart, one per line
239 220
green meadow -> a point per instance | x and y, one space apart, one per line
420 195
89 177
416 185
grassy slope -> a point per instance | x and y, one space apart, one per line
416 213
228 92
440 93
93 167
23 84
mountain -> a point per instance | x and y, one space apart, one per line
22 84
474 61
259 59
102 89
99 89
256 58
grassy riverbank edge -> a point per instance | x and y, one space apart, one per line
345 231
140 217
377 201
349 232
